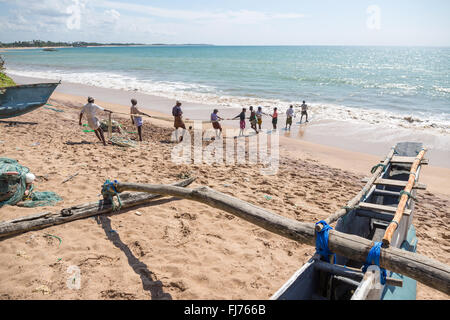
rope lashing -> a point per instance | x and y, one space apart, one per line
109 190
374 258
322 242
374 168
408 194
348 208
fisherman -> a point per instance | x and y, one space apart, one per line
259 115
289 116
304 107
215 123
178 120
91 110
275 118
29 179
241 117
137 121
253 119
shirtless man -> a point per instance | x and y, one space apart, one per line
91 109
137 121
304 107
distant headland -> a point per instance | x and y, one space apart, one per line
52 44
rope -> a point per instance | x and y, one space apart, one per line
408 194
109 191
374 168
322 242
374 258
348 208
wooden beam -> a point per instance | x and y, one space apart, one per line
428 271
351 273
48 219
403 200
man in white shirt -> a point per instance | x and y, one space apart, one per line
91 109
289 115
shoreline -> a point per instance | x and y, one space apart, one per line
436 178
310 141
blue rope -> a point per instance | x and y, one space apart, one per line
109 191
374 258
322 242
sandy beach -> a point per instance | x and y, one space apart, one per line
179 249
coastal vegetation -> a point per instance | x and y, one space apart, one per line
43 44
5 81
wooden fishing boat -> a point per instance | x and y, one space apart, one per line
369 218
18 100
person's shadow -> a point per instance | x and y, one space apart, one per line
155 288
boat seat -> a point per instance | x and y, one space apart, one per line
382 208
406 160
395 183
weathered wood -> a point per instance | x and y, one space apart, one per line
47 219
352 203
109 126
426 270
351 273
403 200
396 183
375 215
369 288
407 160
382 208
386 193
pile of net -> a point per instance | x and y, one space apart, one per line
123 141
13 186
116 126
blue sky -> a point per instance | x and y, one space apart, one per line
230 22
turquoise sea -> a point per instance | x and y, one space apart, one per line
397 86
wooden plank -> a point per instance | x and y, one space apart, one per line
375 215
396 183
386 193
407 160
382 208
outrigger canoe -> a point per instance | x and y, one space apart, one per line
343 279
18 100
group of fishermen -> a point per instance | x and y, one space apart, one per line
91 109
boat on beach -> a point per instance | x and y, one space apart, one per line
18 100
369 218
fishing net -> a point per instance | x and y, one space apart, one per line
41 199
116 126
13 186
122 141
12 181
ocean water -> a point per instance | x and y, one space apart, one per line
389 86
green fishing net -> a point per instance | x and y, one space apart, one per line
41 199
13 186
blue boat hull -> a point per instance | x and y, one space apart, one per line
18 100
